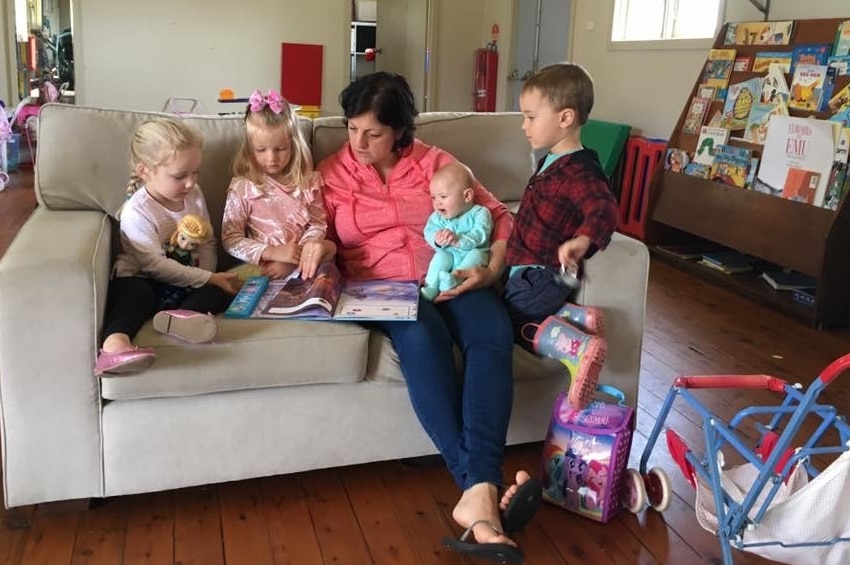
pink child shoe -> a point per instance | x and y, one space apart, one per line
187 325
588 319
121 362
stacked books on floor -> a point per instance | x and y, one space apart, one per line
802 287
788 280
728 262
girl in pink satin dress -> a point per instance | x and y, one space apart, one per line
274 216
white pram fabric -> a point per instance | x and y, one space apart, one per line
802 511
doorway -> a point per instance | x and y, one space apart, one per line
542 38
44 48
393 36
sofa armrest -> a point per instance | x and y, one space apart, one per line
53 281
616 281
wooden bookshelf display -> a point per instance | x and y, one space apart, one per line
802 237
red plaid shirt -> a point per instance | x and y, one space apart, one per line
571 197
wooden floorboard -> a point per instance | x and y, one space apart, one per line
397 513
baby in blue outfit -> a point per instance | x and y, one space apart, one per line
458 230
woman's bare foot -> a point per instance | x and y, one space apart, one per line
521 477
478 502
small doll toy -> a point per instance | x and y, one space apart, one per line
191 232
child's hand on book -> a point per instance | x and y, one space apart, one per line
311 257
228 282
288 253
276 269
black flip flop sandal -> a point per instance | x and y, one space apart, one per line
497 552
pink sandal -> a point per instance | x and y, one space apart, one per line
187 325
121 362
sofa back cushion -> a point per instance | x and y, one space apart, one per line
84 155
492 145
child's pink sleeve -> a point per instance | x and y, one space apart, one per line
234 226
317 224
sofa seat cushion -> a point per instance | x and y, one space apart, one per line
247 354
384 368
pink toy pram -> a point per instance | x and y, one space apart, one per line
776 504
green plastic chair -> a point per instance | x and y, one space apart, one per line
608 139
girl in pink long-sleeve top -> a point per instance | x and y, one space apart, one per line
274 216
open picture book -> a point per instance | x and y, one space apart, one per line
326 296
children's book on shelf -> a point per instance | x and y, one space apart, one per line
812 54
709 139
718 69
705 91
739 99
676 160
838 179
326 296
800 185
759 120
774 88
730 165
759 33
807 87
698 170
696 114
840 101
828 88
796 143
742 64
751 173
841 45
763 59
842 118
788 280
841 64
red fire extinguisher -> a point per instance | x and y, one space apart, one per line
486 66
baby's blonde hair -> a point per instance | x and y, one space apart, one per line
156 141
299 170
457 173
194 227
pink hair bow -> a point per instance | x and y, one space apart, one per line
273 100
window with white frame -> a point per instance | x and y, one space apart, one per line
649 20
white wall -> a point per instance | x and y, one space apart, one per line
461 28
7 53
647 88
135 54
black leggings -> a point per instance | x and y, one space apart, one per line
132 301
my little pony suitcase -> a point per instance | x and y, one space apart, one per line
585 455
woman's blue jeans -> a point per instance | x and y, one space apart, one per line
467 419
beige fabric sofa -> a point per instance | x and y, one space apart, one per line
268 397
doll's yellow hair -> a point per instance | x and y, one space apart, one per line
193 226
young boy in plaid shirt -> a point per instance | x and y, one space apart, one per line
567 213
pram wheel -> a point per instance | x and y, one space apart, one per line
634 492
658 489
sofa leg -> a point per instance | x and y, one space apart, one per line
65 506
18 518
